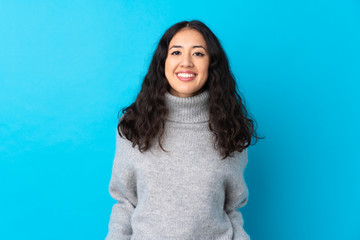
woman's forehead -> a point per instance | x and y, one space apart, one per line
188 38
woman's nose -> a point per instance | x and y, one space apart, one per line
187 61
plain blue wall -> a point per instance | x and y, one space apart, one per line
67 67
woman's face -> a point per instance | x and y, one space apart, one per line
187 63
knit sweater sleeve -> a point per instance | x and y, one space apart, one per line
122 188
236 197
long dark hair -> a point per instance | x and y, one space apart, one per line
229 120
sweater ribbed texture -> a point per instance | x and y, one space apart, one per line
186 193
188 110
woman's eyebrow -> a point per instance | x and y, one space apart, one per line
196 46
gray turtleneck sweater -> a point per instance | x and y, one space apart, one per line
185 193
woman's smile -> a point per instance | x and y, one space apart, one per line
186 75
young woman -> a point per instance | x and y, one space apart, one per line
181 147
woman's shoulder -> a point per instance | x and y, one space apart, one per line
121 140
239 160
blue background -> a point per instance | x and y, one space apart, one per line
67 67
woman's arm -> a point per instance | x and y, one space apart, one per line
123 189
236 197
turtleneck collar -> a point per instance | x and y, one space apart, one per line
188 109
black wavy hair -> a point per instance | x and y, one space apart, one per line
229 120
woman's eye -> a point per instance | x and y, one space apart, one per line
175 53
199 54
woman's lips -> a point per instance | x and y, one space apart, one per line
186 77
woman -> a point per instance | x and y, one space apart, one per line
181 147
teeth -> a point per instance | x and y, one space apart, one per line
186 75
